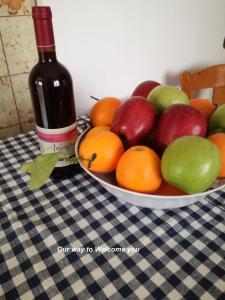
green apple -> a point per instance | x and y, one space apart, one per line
217 119
163 96
191 163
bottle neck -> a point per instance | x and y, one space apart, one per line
42 18
47 55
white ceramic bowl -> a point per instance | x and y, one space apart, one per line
142 199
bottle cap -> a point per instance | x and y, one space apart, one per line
42 17
41 12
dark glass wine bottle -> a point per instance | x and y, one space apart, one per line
52 96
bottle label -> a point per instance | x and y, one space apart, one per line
58 140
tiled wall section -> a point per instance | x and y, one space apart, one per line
17 56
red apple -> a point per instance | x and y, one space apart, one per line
144 88
134 120
176 121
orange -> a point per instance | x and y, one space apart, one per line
167 189
139 170
100 152
205 106
219 140
95 130
103 110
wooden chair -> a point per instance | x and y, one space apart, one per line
211 77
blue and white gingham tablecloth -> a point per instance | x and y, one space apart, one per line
74 240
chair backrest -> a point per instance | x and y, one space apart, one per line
211 77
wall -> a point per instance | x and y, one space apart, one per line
111 45
17 56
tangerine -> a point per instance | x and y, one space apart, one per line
139 170
103 110
95 130
219 140
166 189
205 106
100 152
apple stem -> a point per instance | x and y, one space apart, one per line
96 99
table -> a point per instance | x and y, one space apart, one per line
73 240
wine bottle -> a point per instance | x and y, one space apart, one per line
51 90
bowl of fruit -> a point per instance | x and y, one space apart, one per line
158 150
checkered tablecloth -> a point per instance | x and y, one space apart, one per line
73 240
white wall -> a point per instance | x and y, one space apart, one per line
110 46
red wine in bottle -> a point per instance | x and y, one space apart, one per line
52 96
